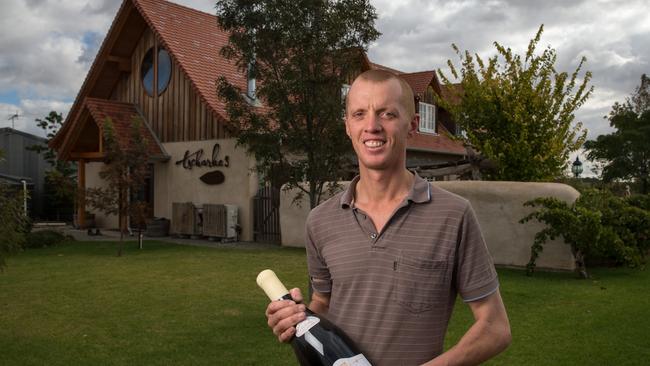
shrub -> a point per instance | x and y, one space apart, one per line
641 201
44 238
13 223
597 225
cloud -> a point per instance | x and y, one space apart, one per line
46 45
28 110
49 45
613 35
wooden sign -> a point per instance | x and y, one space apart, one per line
213 177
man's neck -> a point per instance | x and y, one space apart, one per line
382 187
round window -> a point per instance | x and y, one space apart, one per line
164 71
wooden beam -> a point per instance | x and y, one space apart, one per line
81 189
460 169
124 63
94 155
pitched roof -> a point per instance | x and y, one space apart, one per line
122 115
452 93
194 40
439 143
419 81
376 66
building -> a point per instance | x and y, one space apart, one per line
159 62
21 165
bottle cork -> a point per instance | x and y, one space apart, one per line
270 283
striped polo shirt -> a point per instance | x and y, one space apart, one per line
393 291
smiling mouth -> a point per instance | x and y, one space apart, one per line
373 143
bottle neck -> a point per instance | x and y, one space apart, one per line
288 297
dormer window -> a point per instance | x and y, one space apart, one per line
250 86
151 63
427 117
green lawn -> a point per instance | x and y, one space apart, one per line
78 304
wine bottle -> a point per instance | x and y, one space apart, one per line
317 341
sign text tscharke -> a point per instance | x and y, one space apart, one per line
196 159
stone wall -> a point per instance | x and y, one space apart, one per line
498 206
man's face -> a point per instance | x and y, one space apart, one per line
378 124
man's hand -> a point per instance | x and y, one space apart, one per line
283 315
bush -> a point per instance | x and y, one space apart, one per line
44 238
13 223
597 225
641 201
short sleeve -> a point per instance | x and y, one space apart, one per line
476 277
319 274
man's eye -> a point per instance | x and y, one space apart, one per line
389 115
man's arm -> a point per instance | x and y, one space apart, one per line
487 337
320 303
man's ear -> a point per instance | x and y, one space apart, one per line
413 126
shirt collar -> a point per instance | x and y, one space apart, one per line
420 191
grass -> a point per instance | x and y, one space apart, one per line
78 304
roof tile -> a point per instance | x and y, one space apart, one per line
419 81
194 40
122 114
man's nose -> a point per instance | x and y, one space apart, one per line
373 124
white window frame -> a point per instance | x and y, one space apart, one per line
427 117
345 89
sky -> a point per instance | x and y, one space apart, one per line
49 45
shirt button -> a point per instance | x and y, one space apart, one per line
373 236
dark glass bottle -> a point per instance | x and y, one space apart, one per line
317 341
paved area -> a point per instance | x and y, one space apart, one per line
112 235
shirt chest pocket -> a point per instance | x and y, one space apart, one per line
420 284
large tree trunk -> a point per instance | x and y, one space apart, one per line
581 266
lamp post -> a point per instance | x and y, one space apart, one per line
24 182
576 168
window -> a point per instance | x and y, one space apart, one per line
345 89
250 86
164 71
427 117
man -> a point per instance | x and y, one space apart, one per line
387 257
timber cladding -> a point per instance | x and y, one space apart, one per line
177 113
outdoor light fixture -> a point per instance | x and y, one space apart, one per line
576 168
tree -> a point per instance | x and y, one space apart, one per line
300 53
597 225
61 180
519 111
124 171
625 153
13 222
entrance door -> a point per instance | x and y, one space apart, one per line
142 202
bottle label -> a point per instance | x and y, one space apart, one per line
358 360
305 325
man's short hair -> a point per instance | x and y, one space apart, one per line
380 76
